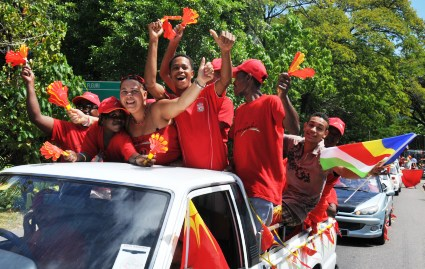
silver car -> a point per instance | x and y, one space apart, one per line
364 208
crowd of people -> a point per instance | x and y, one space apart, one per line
197 119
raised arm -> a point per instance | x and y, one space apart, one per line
155 89
168 109
225 41
44 123
291 122
164 71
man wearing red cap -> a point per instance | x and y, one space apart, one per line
257 133
328 201
202 126
65 134
106 140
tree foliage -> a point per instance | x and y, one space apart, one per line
368 55
35 24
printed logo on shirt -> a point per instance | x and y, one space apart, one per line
200 107
249 128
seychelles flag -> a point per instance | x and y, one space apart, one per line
361 157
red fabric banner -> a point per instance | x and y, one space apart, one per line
204 251
411 177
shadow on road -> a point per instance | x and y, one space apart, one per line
355 242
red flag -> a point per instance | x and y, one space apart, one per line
18 57
203 250
58 94
411 177
48 150
308 251
328 234
169 32
190 16
294 68
267 239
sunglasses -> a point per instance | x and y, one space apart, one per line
86 106
115 116
133 77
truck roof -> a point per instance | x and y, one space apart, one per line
165 177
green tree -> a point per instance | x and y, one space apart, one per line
373 44
35 24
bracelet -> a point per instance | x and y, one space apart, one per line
199 84
87 123
82 155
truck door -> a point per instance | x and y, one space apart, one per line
224 211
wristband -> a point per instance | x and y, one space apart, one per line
199 84
87 123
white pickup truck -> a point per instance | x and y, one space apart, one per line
115 215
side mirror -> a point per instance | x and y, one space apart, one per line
390 193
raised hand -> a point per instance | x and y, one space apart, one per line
283 84
225 41
155 30
179 29
205 72
27 75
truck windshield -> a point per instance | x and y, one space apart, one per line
61 223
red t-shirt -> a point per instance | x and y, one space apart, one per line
142 145
225 118
202 142
68 135
258 147
319 214
332 197
119 149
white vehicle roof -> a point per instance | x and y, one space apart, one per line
164 177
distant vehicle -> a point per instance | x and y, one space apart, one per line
387 182
364 207
395 176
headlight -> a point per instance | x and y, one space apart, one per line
367 211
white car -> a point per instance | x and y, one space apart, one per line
395 176
387 182
117 215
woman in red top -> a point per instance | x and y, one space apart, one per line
147 118
105 139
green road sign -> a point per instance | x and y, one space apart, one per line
104 89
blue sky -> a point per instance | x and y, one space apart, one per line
419 6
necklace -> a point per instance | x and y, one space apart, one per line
136 122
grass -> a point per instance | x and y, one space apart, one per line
11 221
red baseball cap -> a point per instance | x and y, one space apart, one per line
253 67
337 123
91 97
110 104
216 63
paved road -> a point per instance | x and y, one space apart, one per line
406 246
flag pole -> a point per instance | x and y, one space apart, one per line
361 185
187 224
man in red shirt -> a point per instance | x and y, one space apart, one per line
257 133
67 135
202 141
328 200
